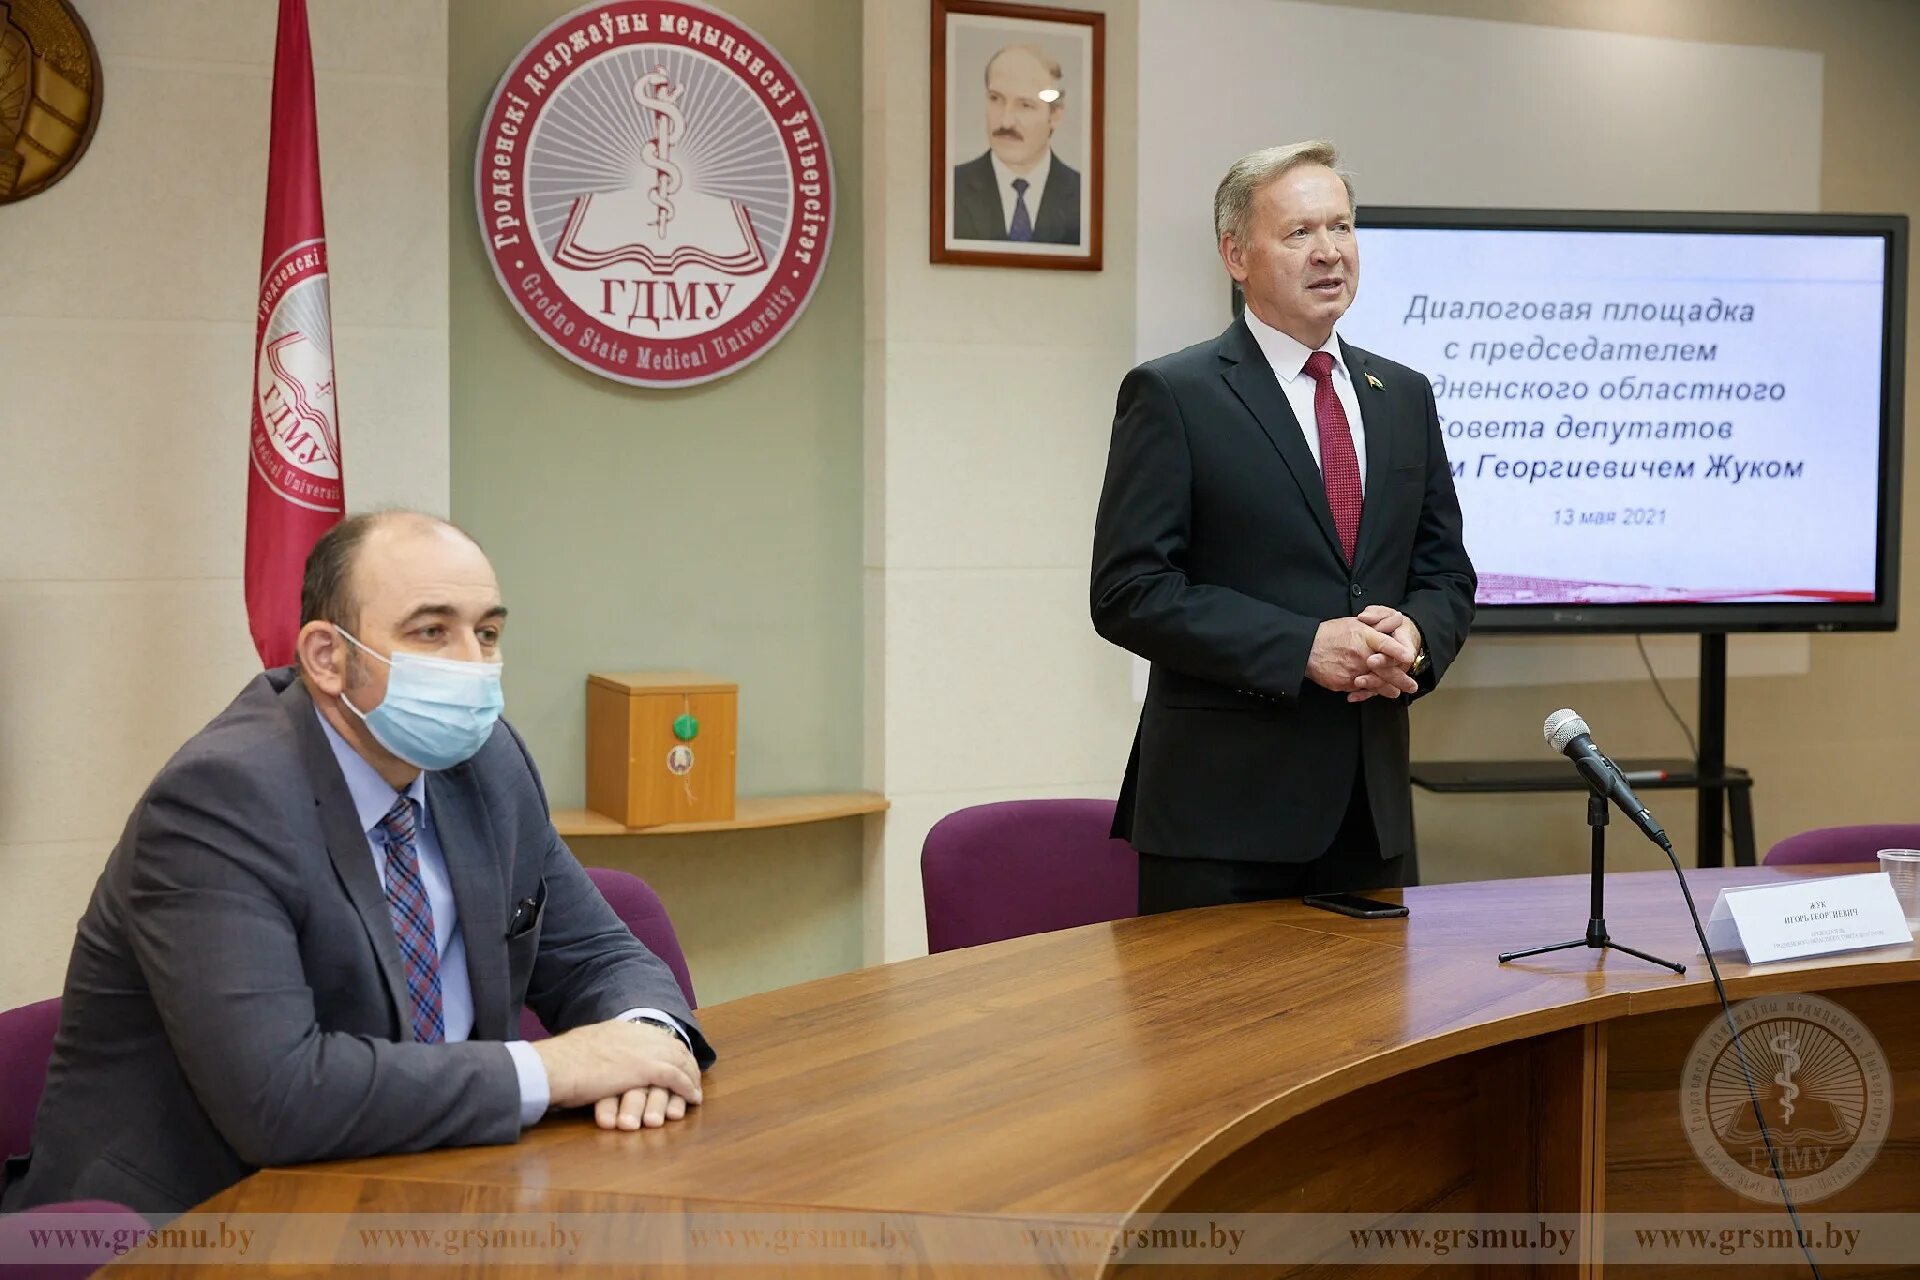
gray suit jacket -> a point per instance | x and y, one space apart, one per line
235 996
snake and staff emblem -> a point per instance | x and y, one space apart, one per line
656 93
1788 1048
654 190
1824 1089
671 214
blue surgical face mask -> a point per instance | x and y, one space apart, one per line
438 711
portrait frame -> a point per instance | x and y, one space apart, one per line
967 174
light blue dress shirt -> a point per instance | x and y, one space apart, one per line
372 798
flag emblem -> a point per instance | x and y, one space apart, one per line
296 439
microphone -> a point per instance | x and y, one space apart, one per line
1568 734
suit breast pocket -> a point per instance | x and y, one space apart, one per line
1407 475
524 919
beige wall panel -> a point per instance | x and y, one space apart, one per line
193 252
1002 465
47 887
873 680
1436 111
383 164
128 233
1000 683
132 433
388 37
393 415
139 426
102 682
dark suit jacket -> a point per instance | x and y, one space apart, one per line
978 215
1215 558
236 997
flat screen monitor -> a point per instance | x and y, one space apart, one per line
1657 421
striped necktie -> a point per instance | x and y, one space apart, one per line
412 916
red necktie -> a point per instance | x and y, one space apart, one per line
1339 466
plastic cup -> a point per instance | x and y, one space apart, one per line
1903 868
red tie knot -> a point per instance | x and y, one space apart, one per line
1320 366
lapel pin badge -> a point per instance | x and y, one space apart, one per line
1376 383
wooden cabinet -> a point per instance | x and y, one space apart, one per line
660 747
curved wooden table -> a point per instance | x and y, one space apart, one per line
1265 1057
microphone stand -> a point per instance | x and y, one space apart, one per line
1596 936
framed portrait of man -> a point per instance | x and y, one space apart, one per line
1018 133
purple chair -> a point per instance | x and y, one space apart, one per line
1006 870
640 909
1842 844
26 1047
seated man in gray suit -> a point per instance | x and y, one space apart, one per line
1017 189
316 933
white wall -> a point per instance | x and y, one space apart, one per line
1463 112
126 343
1449 111
989 401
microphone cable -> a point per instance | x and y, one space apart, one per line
1740 1053
1563 729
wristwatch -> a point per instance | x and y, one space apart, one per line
649 1021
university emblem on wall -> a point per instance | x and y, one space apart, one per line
49 94
654 191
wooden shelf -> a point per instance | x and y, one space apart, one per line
749 813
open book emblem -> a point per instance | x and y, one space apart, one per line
654 191
655 223
296 403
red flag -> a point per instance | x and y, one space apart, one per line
294 490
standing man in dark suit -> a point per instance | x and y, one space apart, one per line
1279 537
320 924
1018 189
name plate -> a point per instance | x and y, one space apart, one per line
1805 918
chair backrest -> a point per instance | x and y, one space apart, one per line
641 910
1017 867
26 1047
1843 844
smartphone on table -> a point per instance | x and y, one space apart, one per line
1352 904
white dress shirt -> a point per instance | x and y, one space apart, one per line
1287 356
372 798
1036 186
